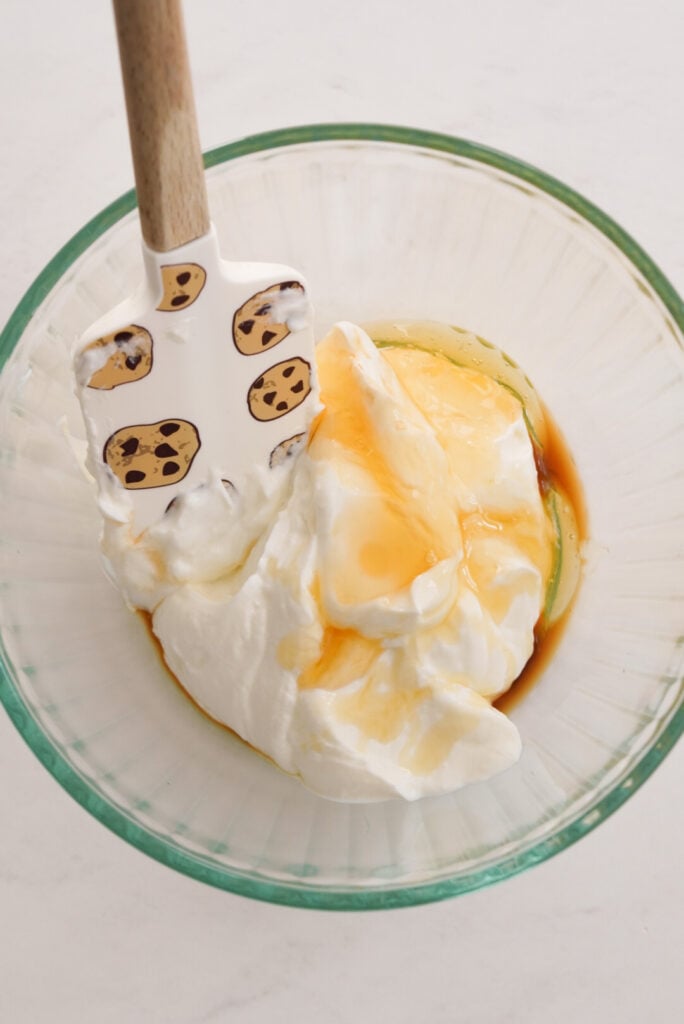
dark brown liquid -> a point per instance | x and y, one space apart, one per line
557 470
545 644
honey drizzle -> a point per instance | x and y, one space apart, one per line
557 471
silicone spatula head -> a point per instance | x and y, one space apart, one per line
207 372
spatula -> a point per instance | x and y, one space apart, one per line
207 371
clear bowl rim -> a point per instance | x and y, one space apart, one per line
155 844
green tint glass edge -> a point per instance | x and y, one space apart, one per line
287 892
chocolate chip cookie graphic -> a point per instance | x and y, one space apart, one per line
117 358
152 454
280 389
286 449
182 283
256 324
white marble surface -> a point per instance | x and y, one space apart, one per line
91 931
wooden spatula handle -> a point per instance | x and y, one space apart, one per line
167 159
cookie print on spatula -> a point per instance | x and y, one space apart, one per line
193 341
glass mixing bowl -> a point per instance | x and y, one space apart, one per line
385 223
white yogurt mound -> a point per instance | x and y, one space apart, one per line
354 612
